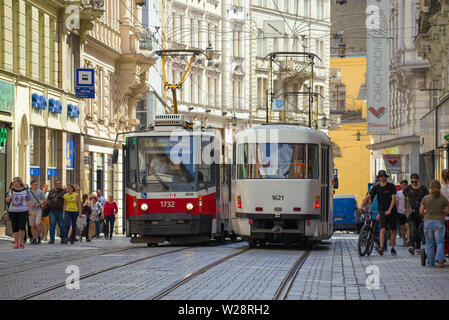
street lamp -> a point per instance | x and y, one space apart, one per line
141 3
209 52
341 49
234 120
324 122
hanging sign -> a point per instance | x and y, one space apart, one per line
393 163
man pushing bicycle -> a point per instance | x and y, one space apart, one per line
386 196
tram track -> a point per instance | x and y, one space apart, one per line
104 252
194 274
286 284
62 284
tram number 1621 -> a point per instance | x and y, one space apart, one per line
278 197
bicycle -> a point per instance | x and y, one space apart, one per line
365 243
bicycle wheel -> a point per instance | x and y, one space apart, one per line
370 246
362 243
423 257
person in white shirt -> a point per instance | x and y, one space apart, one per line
402 218
159 164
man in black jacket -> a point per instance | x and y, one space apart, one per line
55 203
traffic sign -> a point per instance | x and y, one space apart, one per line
278 105
85 84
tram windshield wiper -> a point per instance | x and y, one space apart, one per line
166 187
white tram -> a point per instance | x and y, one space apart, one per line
282 184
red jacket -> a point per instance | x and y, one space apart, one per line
110 208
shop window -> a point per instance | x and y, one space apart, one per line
100 173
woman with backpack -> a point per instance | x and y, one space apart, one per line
87 212
434 207
97 213
20 205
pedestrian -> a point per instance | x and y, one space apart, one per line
434 207
37 199
414 194
19 200
71 210
386 197
97 213
55 204
110 210
402 218
101 199
45 220
87 212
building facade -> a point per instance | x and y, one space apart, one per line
305 27
121 72
409 101
40 122
432 37
214 94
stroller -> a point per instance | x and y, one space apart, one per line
446 243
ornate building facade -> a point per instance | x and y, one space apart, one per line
111 48
432 39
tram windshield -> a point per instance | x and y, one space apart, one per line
277 161
171 159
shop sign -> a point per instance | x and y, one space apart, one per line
6 96
3 139
51 172
378 62
70 155
34 172
393 163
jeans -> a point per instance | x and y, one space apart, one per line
97 228
85 232
414 221
110 220
70 218
434 231
56 217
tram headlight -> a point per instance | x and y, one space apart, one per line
189 206
144 207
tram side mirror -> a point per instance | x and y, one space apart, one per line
335 179
115 156
335 183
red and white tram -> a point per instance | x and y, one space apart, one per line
172 185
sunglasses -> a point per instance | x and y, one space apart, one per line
415 181
382 176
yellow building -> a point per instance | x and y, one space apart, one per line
351 156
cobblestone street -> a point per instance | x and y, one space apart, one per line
334 270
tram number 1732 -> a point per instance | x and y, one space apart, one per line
167 204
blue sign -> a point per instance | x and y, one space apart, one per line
39 102
278 105
84 77
54 105
85 92
70 155
73 111
85 86
34 172
143 195
51 172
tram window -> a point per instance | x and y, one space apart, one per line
313 160
131 165
277 161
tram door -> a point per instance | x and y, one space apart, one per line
325 180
